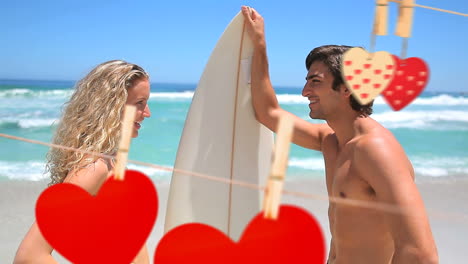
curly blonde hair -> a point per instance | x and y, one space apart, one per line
91 119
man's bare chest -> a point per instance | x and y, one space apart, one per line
343 177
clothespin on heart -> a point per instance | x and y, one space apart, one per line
408 77
404 23
125 139
381 18
278 168
405 18
411 74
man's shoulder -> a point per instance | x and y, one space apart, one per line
376 138
379 147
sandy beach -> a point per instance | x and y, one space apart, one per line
445 199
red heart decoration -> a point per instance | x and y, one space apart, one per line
411 77
110 227
295 237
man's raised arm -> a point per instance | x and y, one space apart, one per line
265 103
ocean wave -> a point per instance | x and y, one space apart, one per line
443 99
27 122
27 170
23 92
308 164
285 98
14 92
430 120
292 99
66 93
440 166
171 95
424 119
426 167
35 171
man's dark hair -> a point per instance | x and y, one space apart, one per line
331 56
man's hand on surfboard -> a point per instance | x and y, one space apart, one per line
254 25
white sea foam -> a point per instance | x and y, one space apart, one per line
35 171
169 95
423 119
23 92
308 164
453 119
292 99
35 123
27 170
442 99
439 172
432 167
414 119
425 167
28 122
440 166
14 92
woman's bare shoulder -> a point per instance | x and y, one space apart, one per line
91 176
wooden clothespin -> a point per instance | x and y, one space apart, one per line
124 145
381 18
278 168
405 18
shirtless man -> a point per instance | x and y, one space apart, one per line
363 161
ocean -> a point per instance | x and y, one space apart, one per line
433 129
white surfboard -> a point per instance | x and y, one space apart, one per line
221 138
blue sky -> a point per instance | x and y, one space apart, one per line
172 40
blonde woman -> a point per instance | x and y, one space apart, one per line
91 121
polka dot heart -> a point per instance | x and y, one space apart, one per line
411 77
367 74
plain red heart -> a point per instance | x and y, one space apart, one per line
110 227
295 237
411 77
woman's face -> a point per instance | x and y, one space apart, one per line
138 96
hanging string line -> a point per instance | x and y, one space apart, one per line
405 41
372 43
389 208
57 146
433 8
404 48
